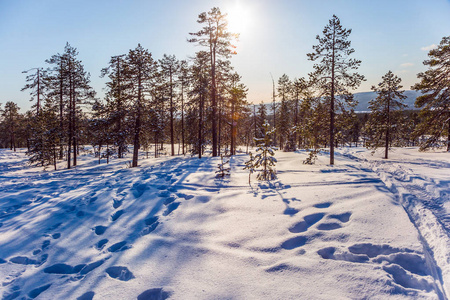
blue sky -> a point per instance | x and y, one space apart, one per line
275 36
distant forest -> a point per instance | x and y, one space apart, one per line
200 104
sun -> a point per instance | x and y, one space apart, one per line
239 18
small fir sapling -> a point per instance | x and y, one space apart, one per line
312 157
223 169
265 159
250 166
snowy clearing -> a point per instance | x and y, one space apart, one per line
364 228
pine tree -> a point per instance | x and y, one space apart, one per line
198 96
238 93
183 82
68 85
435 101
11 117
265 159
385 111
261 120
169 69
284 119
215 37
141 69
334 48
36 83
118 101
44 139
300 90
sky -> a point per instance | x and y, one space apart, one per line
275 36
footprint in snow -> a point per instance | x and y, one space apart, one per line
186 197
99 230
309 220
120 273
100 244
294 242
151 224
87 296
116 215
56 235
169 200
329 226
81 269
407 269
117 203
171 207
323 205
120 246
23 260
344 218
37 291
45 244
156 293
164 194
138 189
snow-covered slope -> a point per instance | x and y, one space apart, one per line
170 229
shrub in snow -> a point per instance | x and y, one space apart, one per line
250 166
312 157
223 169
264 160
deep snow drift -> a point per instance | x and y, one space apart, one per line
364 228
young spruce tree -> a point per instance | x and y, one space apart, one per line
265 158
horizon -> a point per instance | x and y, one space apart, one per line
274 37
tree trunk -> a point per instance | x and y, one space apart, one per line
61 105
69 147
137 126
172 140
200 125
332 101
182 116
213 95
388 125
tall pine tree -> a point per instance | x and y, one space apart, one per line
386 110
215 37
334 50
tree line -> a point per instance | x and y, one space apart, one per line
200 103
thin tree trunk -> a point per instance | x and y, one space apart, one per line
172 139
182 116
61 125
137 127
69 148
332 101
200 125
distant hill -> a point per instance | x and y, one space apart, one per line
364 98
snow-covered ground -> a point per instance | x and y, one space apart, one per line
364 228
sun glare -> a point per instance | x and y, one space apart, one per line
239 18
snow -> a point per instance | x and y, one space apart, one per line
363 228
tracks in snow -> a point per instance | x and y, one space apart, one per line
423 201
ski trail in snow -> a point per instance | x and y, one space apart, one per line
415 194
